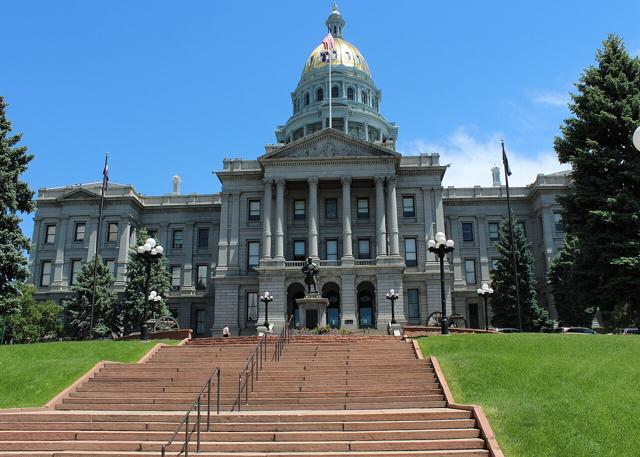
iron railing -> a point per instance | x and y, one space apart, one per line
284 337
250 372
197 405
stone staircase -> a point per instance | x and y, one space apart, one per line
358 396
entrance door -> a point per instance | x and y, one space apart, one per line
333 309
474 319
365 309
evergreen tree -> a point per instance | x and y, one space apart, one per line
602 209
15 196
78 307
132 309
36 319
503 301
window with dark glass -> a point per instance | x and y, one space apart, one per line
254 210
467 231
331 208
75 267
332 249
363 97
177 239
111 266
203 238
175 277
319 95
558 225
523 227
78 234
335 92
200 321
299 249
50 234
306 99
203 273
363 208
112 232
152 233
252 306
253 255
299 210
410 252
364 248
408 206
470 271
350 93
45 274
413 303
494 263
494 231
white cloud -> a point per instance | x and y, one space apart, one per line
550 98
471 160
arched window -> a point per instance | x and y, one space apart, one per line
363 97
306 99
319 94
350 93
335 92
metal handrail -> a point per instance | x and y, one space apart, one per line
196 404
256 359
285 336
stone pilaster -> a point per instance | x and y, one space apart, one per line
187 249
381 224
484 253
347 250
392 218
313 217
58 266
123 251
280 184
266 231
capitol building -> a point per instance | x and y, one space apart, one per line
342 195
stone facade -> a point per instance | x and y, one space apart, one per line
348 200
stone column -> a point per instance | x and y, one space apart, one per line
313 217
347 252
280 183
266 231
440 211
58 266
381 224
392 217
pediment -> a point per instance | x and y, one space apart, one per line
78 194
329 144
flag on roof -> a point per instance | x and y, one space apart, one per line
105 172
505 161
328 42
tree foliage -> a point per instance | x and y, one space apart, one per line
15 196
504 301
602 209
35 320
134 296
78 308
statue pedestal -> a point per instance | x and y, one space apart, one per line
313 311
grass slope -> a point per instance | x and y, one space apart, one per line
32 374
548 395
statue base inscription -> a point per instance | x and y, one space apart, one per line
313 311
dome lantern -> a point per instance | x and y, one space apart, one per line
335 23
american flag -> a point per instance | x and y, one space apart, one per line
505 161
105 173
328 42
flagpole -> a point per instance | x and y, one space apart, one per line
513 247
330 89
95 265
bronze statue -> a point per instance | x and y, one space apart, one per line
311 275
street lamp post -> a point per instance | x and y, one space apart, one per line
485 292
440 247
392 296
149 252
266 299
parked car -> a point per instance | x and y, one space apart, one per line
507 330
627 331
579 330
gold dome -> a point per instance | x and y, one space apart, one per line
344 54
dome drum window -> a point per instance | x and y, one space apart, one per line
350 93
335 92
319 94
306 99
364 98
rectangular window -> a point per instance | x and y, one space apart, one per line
175 277
254 210
45 274
299 210
332 249
408 207
494 263
558 225
413 303
78 234
152 234
494 231
177 239
200 321
364 248
410 252
75 267
253 256
331 208
470 271
111 266
50 234
252 306
467 231
363 208
299 250
112 232
203 238
523 228
203 273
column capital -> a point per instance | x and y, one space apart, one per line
345 180
267 181
280 181
392 179
313 180
379 179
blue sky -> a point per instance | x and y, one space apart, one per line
174 87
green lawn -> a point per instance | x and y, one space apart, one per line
32 374
549 395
